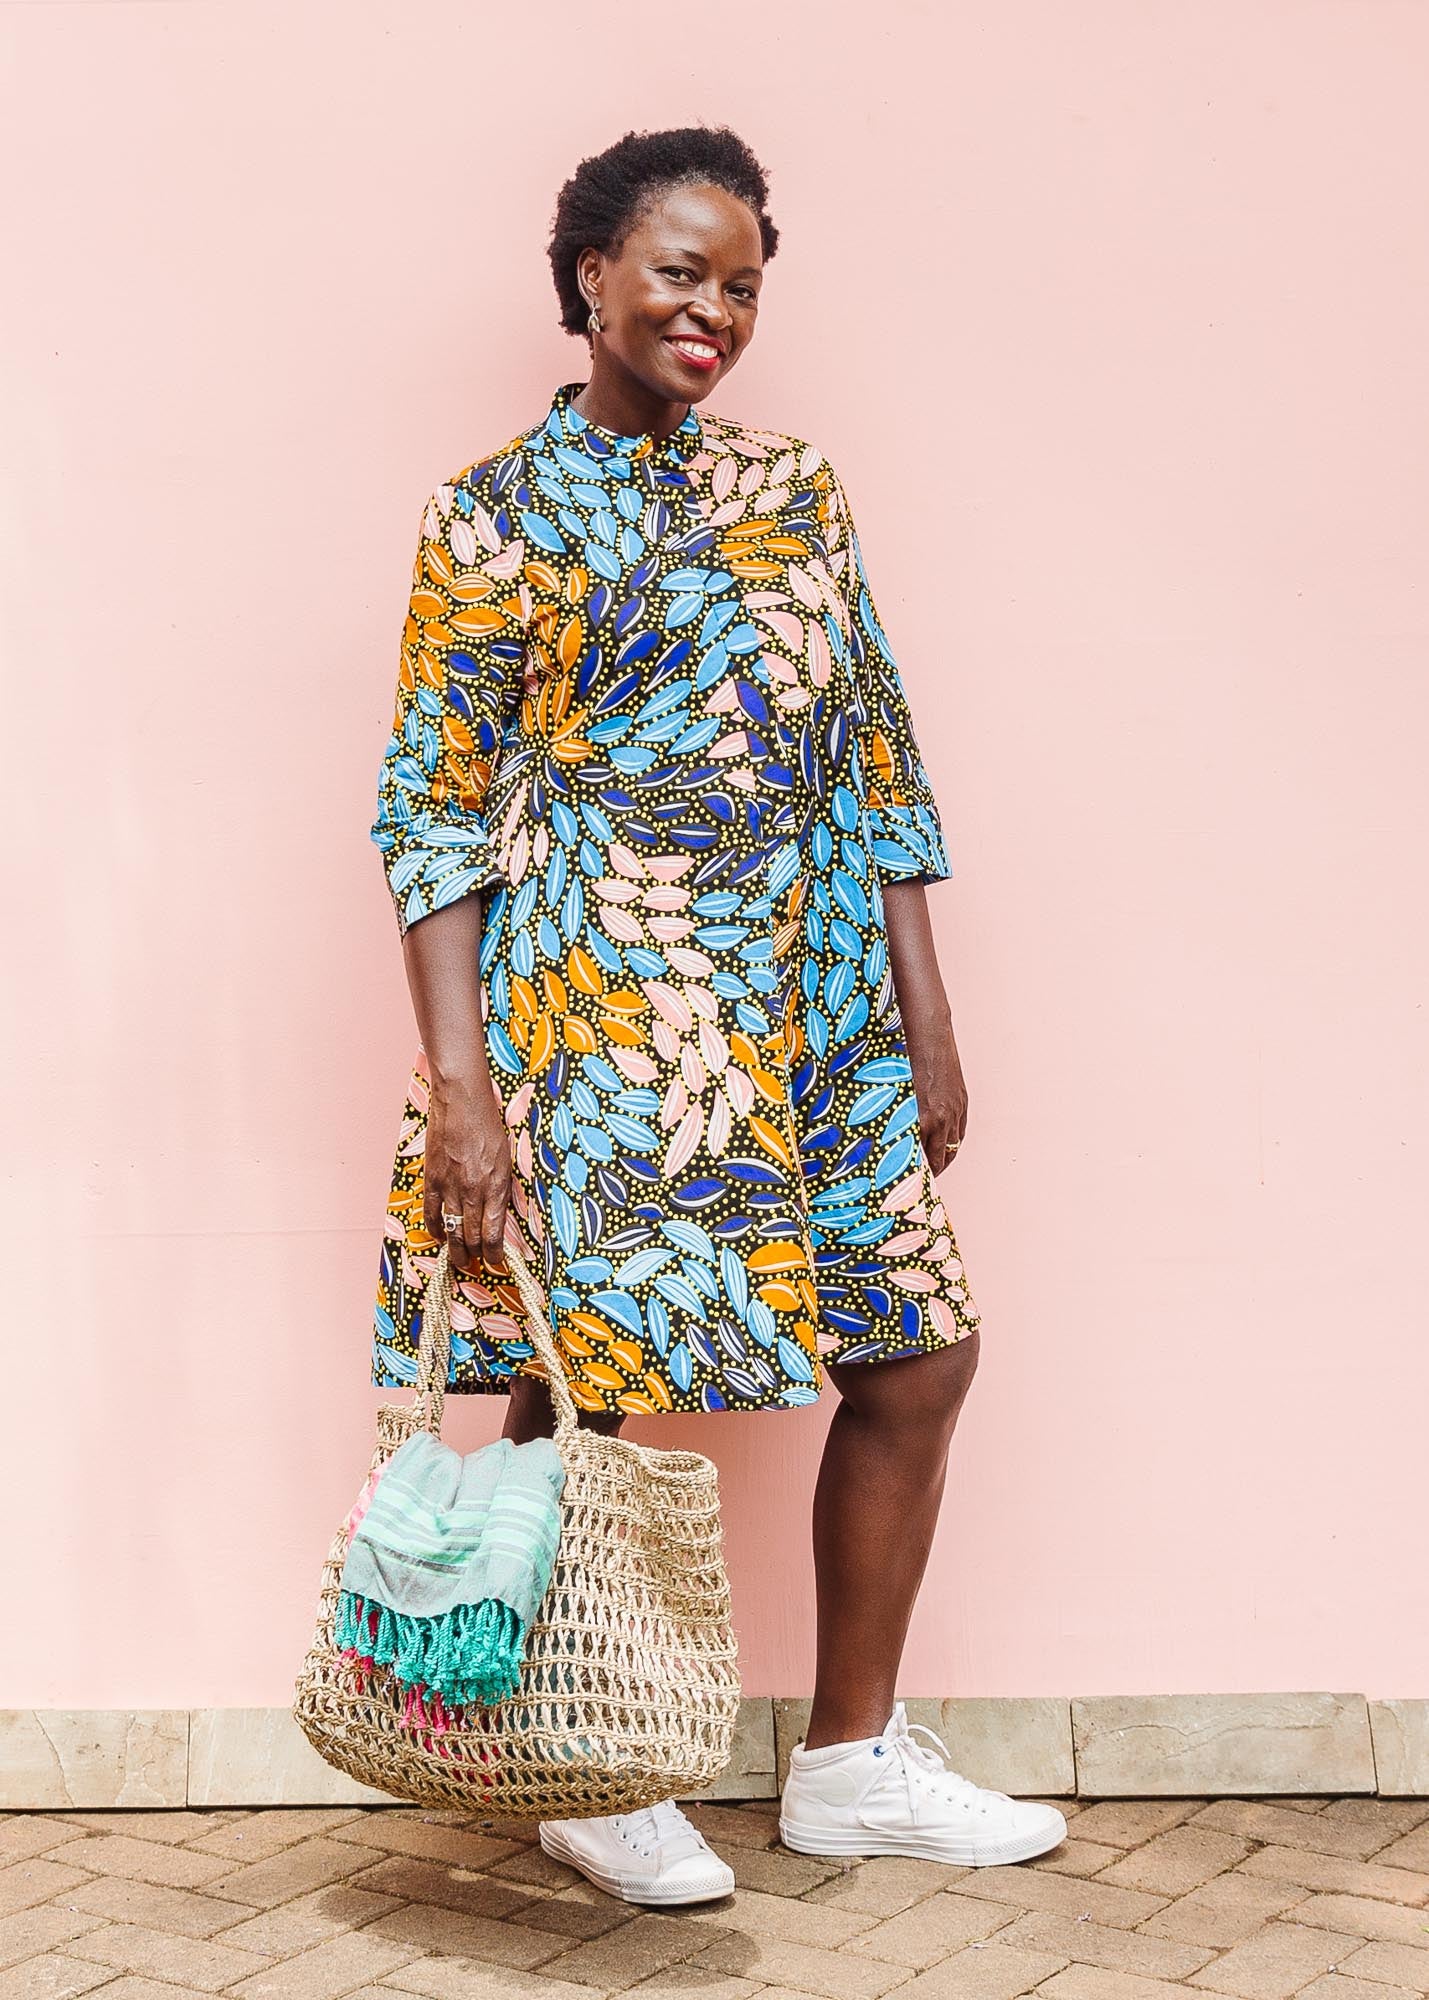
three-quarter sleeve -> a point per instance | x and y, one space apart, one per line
906 830
461 668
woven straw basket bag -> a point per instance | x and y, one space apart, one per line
630 1684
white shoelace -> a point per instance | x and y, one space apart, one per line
953 1785
662 1825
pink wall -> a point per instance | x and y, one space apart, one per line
1130 301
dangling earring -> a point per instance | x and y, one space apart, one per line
593 325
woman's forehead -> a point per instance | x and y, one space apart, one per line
697 221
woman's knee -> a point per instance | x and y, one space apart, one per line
919 1393
968 1349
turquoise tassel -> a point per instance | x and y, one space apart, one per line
473 1653
442 1663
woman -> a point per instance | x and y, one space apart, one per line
657 830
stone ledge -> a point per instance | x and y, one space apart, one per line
1184 1746
58 1757
1400 1731
1121 1746
259 1756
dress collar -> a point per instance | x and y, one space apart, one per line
569 427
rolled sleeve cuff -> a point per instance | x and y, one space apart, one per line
908 843
431 861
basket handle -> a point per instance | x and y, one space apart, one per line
434 1347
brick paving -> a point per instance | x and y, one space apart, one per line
1147 1899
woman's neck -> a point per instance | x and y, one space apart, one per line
625 406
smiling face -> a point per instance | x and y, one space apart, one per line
679 304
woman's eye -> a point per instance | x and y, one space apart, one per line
746 292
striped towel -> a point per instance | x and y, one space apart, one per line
449 1562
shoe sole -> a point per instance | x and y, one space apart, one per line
964 1852
554 1842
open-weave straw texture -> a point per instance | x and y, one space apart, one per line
630 1685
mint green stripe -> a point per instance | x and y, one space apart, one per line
500 1548
415 1501
412 1502
516 1545
520 1508
412 1506
423 1518
518 1534
518 1518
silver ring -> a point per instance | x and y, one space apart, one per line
450 1222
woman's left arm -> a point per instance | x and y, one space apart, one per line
906 842
927 1022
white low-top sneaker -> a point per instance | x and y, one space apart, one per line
650 1856
891 1794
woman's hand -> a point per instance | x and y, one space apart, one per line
468 1163
938 1081
468 1170
927 1022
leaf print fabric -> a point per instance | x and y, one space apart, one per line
646 705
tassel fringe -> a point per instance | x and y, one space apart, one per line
471 1653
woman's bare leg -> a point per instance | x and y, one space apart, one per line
875 1508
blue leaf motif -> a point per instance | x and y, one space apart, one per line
683 610
736 1279
621 1307
658 1321
543 533
885 1069
896 1161
691 1238
644 1264
399 1367
681 1293
871 1104
563 1219
848 894
795 1360
762 1323
589 1271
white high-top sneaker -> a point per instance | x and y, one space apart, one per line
891 1794
650 1856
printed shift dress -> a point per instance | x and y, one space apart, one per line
647 708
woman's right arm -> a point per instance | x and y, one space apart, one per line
461 664
467 1168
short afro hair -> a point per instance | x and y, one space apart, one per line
607 193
